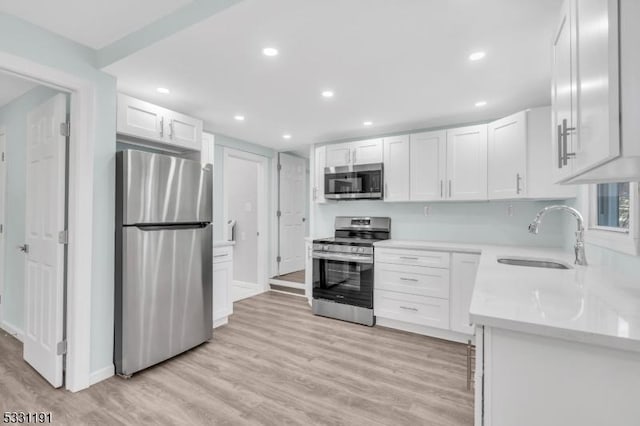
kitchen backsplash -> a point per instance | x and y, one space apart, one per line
495 222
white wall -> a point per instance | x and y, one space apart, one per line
13 117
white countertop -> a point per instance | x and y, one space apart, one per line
589 304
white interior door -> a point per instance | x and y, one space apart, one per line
44 255
3 180
292 201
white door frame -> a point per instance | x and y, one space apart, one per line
79 210
3 196
262 209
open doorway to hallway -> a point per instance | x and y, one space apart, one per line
245 218
34 138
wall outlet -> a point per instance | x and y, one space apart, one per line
427 210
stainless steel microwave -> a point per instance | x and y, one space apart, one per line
364 181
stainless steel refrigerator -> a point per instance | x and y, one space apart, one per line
163 297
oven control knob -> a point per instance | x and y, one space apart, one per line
325 248
354 249
361 250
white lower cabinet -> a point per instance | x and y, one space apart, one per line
411 308
308 271
463 275
531 380
222 280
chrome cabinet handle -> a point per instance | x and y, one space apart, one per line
409 308
221 255
441 190
171 129
409 279
162 127
347 156
24 248
565 133
449 188
408 258
354 156
518 179
559 146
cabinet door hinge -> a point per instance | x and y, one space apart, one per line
63 237
278 213
278 259
65 129
61 348
3 156
279 166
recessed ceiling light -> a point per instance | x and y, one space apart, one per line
327 93
286 136
163 90
481 103
476 56
239 117
367 123
270 51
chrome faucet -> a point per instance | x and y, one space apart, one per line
579 246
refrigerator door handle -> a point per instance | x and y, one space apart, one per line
175 227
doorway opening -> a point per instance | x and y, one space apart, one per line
34 140
292 225
245 218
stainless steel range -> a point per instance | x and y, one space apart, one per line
343 269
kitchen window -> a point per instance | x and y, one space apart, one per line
613 216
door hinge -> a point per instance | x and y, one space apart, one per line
279 167
278 213
65 129
1 228
278 259
61 348
63 237
3 156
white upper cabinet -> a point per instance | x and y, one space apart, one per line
319 161
184 131
367 151
145 121
595 94
427 165
507 156
396 168
140 119
352 153
467 163
563 94
338 155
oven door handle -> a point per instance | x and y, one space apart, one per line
343 257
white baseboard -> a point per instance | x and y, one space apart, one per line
425 330
102 374
286 283
12 329
220 322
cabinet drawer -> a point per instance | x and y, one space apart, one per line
433 259
419 280
222 254
421 310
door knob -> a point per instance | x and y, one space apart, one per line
24 248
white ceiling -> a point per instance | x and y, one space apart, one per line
402 64
12 87
94 23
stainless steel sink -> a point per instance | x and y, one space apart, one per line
533 263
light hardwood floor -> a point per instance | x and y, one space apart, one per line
296 277
275 363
